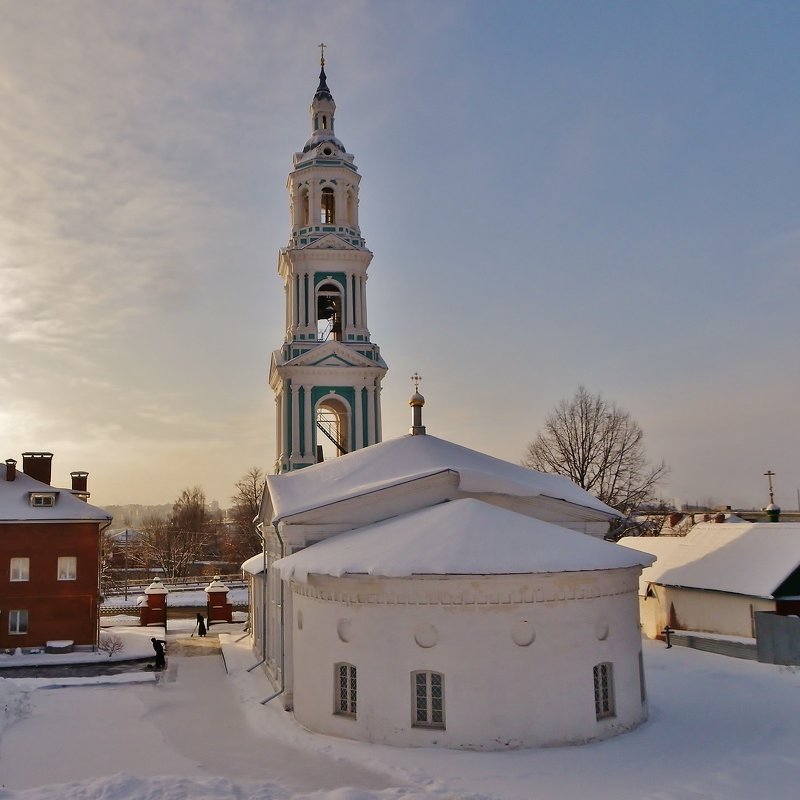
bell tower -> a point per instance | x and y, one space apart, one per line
327 374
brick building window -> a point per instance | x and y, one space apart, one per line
18 621
20 569
67 568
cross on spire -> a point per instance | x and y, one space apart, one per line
415 379
322 47
769 475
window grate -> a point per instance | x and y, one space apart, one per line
428 699
346 689
604 691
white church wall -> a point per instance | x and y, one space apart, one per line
517 654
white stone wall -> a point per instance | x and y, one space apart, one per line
517 653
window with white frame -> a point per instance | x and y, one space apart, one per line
346 689
43 499
604 690
18 621
67 568
427 699
20 569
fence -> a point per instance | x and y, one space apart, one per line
724 647
778 638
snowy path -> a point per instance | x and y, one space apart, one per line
194 726
202 719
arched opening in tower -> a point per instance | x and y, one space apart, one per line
328 207
333 429
329 312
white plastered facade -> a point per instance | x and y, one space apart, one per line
516 655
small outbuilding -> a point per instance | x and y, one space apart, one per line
717 577
465 625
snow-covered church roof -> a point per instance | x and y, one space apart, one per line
15 503
751 559
462 537
408 458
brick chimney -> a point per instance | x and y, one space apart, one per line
79 480
11 469
38 466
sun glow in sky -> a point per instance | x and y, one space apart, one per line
556 193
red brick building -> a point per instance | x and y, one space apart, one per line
49 557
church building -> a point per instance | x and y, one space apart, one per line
414 592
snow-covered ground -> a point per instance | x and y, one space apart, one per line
718 728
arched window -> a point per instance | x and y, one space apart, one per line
328 207
333 428
329 312
324 122
345 689
316 122
427 699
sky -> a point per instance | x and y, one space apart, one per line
719 728
556 193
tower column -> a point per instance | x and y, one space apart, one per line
364 302
308 449
313 203
301 300
378 417
348 301
359 417
278 433
340 201
370 414
295 422
293 306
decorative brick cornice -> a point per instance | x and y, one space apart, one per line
462 592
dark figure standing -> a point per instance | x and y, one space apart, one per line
158 646
201 625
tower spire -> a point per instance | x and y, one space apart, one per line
323 92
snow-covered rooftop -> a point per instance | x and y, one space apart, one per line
15 503
659 546
751 559
409 458
254 565
462 537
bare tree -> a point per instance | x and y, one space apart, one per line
110 643
242 539
599 446
174 545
